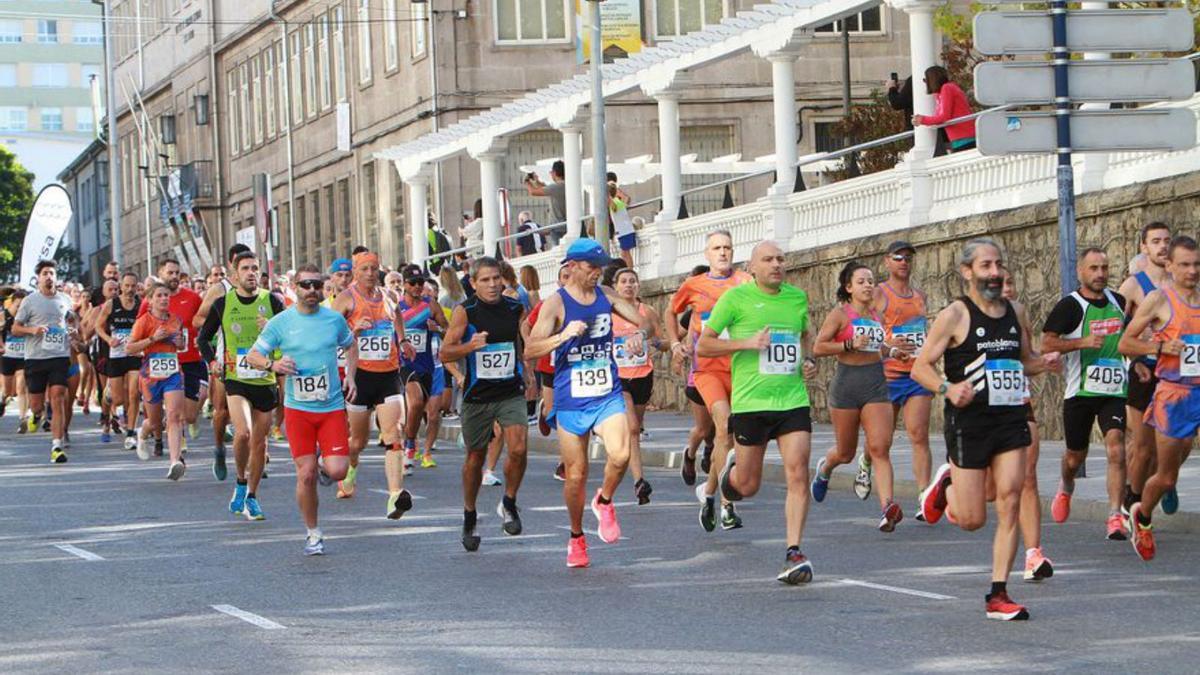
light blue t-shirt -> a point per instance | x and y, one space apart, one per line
312 341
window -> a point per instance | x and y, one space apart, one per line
825 139
343 195
52 119
50 75
83 119
10 32
673 18
417 23
87 33
331 220
256 98
231 91
12 118
530 21
8 74
364 41
301 225
87 71
268 58
244 105
314 207
391 35
296 75
707 142
310 70
47 31
339 54
281 83
326 87
867 21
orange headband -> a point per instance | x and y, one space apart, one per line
366 258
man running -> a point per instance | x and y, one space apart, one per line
1173 313
576 324
45 320
239 318
1085 327
420 316
485 331
114 325
700 294
379 337
766 331
987 362
309 337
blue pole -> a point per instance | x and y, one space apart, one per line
1065 173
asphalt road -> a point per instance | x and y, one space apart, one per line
404 597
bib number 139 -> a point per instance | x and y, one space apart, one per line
591 378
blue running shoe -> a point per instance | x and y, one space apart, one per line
1170 501
237 505
820 484
218 468
105 437
253 510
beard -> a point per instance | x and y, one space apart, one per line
991 288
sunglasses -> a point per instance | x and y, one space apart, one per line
311 284
899 257
414 282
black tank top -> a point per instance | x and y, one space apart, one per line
495 372
6 328
120 318
990 358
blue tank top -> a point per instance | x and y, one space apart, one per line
523 296
416 330
1144 281
584 369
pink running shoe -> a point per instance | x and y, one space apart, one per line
1060 508
1037 565
609 530
577 552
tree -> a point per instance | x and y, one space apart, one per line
16 201
70 265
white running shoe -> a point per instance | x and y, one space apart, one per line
490 479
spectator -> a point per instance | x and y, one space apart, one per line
900 97
468 289
438 243
611 178
359 249
638 222
472 234
557 192
532 242
532 284
951 103
622 224
453 294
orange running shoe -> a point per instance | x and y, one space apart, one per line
1142 536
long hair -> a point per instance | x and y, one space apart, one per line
451 284
529 278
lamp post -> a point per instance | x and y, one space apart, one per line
114 168
599 159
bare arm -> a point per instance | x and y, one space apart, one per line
939 339
626 309
827 343
453 348
1152 311
712 346
1032 360
101 323
545 336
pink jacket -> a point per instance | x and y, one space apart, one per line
952 103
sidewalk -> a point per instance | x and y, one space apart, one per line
668 435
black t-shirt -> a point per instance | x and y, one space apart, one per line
1067 314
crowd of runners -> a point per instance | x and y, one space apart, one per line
331 359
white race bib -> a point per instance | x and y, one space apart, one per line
14 348
375 344
1005 382
120 343
1105 377
1189 358
417 337
311 387
341 357
162 365
591 379
912 332
870 328
704 324
782 356
55 340
626 358
245 371
496 361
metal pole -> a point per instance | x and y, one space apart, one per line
114 164
599 152
291 177
1066 174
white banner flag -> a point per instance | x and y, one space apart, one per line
47 222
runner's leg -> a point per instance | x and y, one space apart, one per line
878 425
1008 473
794 448
173 401
573 451
260 428
916 425
635 441
393 460
1031 504
516 439
240 416
614 431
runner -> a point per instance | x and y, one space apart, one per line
159 337
251 393
1173 313
114 326
485 331
766 324
12 358
341 272
422 317
545 373
309 336
576 324
100 351
1155 241
44 319
635 371
700 294
987 360
379 334
903 308
702 429
185 303
858 394
1085 327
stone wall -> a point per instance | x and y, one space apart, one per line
1110 219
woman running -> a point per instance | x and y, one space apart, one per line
12 358
635 371
158 336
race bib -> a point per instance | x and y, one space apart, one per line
162 365
870 328
704 322
245 371
1105 377
1189 358
912 332
419 338
591 379
436 349
375 344
311 387
341 357
1005 382
626 358
782 356
120 343
14 348
55 340
496 361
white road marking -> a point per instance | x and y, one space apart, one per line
248 617
385 492
78 552
896 589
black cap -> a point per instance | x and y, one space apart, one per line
900 245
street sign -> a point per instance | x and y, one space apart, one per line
1119 80
1101 30
1167 129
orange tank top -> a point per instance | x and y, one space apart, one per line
700 294
377 349
1183 325
903 316
629 366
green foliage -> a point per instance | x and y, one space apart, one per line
874 119
70 265
16 201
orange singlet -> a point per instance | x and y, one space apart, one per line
902 315
701 293
377 351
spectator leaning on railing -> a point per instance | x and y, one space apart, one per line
951 103
556 191
532 241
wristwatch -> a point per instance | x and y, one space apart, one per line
943 387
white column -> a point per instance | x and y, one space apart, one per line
1095 164
418 222
668 147
922 54
573 164
783 85
489 186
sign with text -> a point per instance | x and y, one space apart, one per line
620 26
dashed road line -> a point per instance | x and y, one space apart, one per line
248 617
896 589
78 552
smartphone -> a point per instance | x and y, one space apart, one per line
894 78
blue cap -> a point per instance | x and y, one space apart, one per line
587 250
341 265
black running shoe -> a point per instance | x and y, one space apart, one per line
219 470
687 470
512 520
470 540
642 489
708 514
706 459
158 447
730 520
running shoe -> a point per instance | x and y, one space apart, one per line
398 503
560 472
177 470
410 449
862 480
450 416
237 505
470 540
512 519
532 420
490 479
609 529
322 477
723 479
346 485
1170 501
642 490
276 434
314 545
115 425
218 468
427 462
1037 565
131 440
46 424
577 555
34 423
58 455
1115 528
1141 536
730 520
797 569
158 447
892 514
933 498
105 437
544 426
1001 608
1060 508
708 513
22 427
253 510
193 430
820 483
920 517
687 469
143 452
706 459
